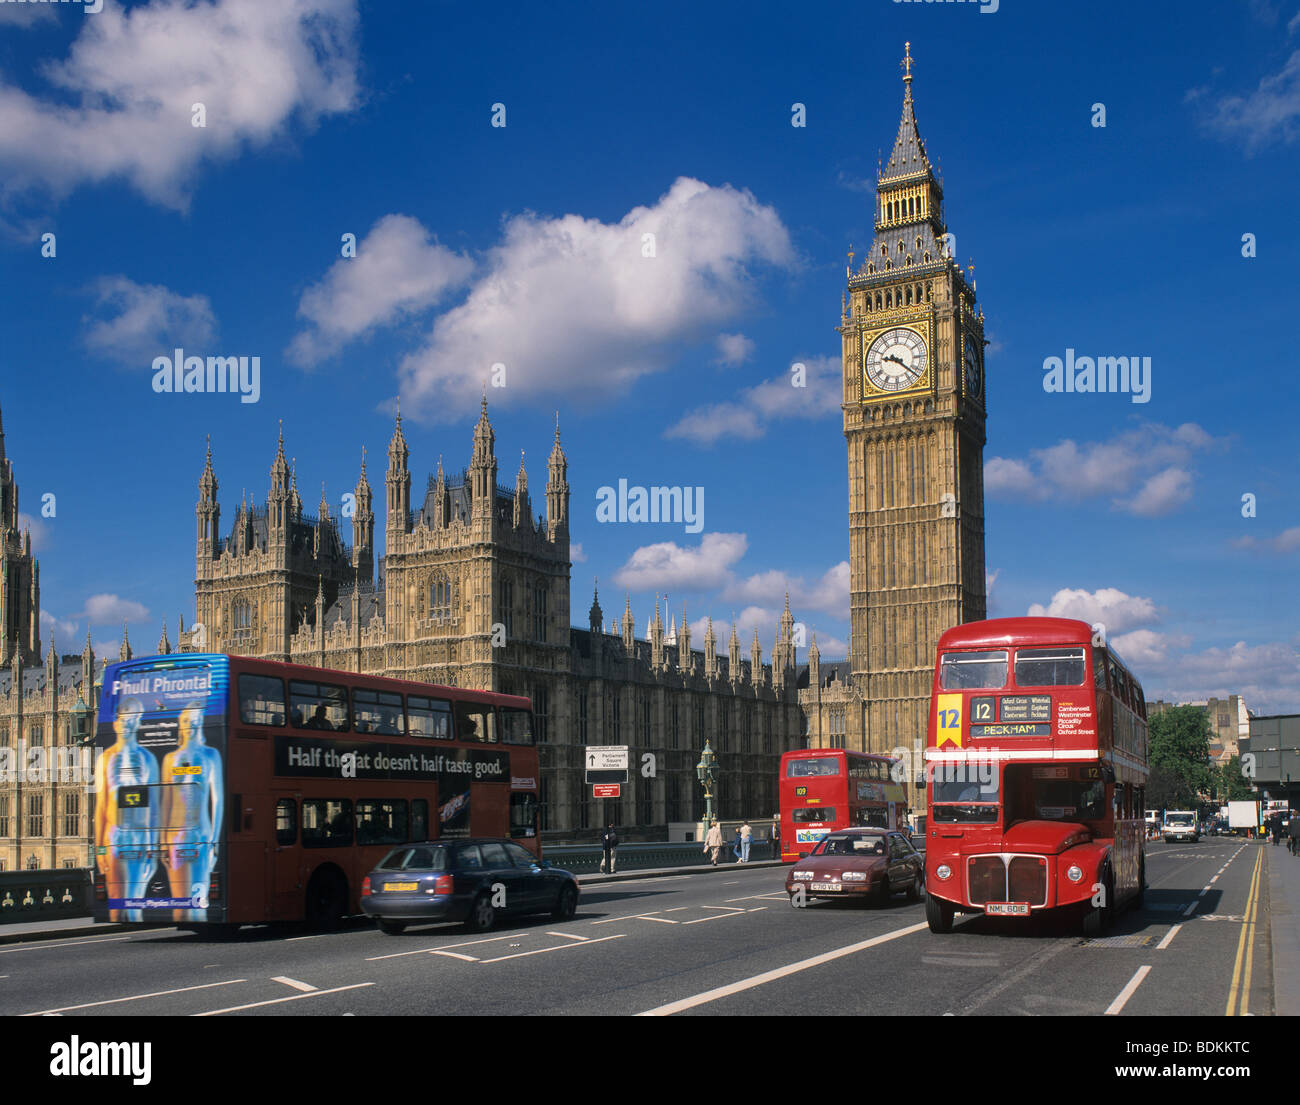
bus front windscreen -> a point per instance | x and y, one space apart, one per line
159 788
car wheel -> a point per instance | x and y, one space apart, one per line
327 899
392 928
883 893
938 914
482 914
566 905
917 887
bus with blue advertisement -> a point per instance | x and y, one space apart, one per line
231 790
824 789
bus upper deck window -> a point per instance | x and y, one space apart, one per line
1050 667
960 671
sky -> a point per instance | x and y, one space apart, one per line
186 175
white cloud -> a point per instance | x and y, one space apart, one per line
828 594
733 349
1267 676
64 632
748 416
1160 494
112 608
667 565
577 553
1288 541
1270 113
398 270
990 603
1145 470
1108 606
122 99
572 307
1145 649
40 533
138 322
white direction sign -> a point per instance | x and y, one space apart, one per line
605 757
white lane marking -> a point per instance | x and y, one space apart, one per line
734 908
441 947
650 916
281 1001
61 944
780 972
1191 908
715 917
1122 997
778 897
557 948
1213 881
756 909
133 997
568 935
316 936
293 983
1169 938
457 955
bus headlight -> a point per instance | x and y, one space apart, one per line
1074 873
853 876
943 871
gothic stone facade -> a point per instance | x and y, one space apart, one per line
45 804
473 590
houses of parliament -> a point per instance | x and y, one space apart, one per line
472 586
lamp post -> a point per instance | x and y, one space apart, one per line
704 770
80 715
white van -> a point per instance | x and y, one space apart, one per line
1181 825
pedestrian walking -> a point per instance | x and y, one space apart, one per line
609 842
776 838
746 838
1293 835
735 845
713 842
1275 829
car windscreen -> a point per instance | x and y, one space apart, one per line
415 858
860 845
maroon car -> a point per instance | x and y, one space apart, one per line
870 864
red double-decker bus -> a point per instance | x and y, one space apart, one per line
233 791
1036 764
824 789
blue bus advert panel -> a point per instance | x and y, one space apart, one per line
159 789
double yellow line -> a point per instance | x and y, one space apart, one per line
1246 947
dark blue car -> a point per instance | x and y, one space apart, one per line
474 881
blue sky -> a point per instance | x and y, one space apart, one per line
522 245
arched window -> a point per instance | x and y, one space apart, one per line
440 599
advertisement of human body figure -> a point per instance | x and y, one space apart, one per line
159 788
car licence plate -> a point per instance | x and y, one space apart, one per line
1007 909
827 886
391 886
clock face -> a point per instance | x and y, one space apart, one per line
897 359
972 367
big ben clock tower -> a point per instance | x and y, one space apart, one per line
913 348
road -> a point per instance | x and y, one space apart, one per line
717 944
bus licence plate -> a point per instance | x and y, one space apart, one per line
1007 909
391 886
827 886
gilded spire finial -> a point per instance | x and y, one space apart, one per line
906 63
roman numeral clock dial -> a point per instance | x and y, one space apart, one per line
897 359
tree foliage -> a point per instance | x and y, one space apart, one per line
1180 758
1231 785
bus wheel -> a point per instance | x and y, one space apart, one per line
482 915
392 928
327 899
917 887
566 905
1098 918
938 913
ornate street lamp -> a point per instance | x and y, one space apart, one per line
705 771
80 715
